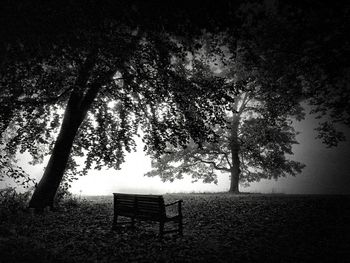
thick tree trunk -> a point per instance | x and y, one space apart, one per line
46 189
78 104
235 162
234 185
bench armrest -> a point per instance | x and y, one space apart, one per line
173 203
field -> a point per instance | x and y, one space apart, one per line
217 228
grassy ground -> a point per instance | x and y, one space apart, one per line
217 228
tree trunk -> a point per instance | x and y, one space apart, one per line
46 189
235 162
234 186
78 104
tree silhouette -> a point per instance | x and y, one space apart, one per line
281 55
116 67
112 68
254 142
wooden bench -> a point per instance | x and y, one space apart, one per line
146 208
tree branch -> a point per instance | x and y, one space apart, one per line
94 88
227 159
212 163
244 103
189 165
44 101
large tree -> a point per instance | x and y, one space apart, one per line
112 68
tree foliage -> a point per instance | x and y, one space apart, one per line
115 68
305 45
120 67
259 131
282 54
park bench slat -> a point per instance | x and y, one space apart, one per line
149 203
145 207
125 204
151 209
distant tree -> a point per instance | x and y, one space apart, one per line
281 55
251 146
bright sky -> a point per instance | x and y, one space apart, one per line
327 172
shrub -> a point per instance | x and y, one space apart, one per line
12 202
62 194
70 202
64 198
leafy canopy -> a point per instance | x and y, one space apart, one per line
131 54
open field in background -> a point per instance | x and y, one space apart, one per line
217 228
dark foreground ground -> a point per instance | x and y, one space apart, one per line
218 228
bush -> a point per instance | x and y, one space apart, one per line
70 202
64 198
62 194
12 202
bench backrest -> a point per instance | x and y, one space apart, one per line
146 207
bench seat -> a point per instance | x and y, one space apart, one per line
146 208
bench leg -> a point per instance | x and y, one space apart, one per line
115 221
161 228
133 223
180 227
